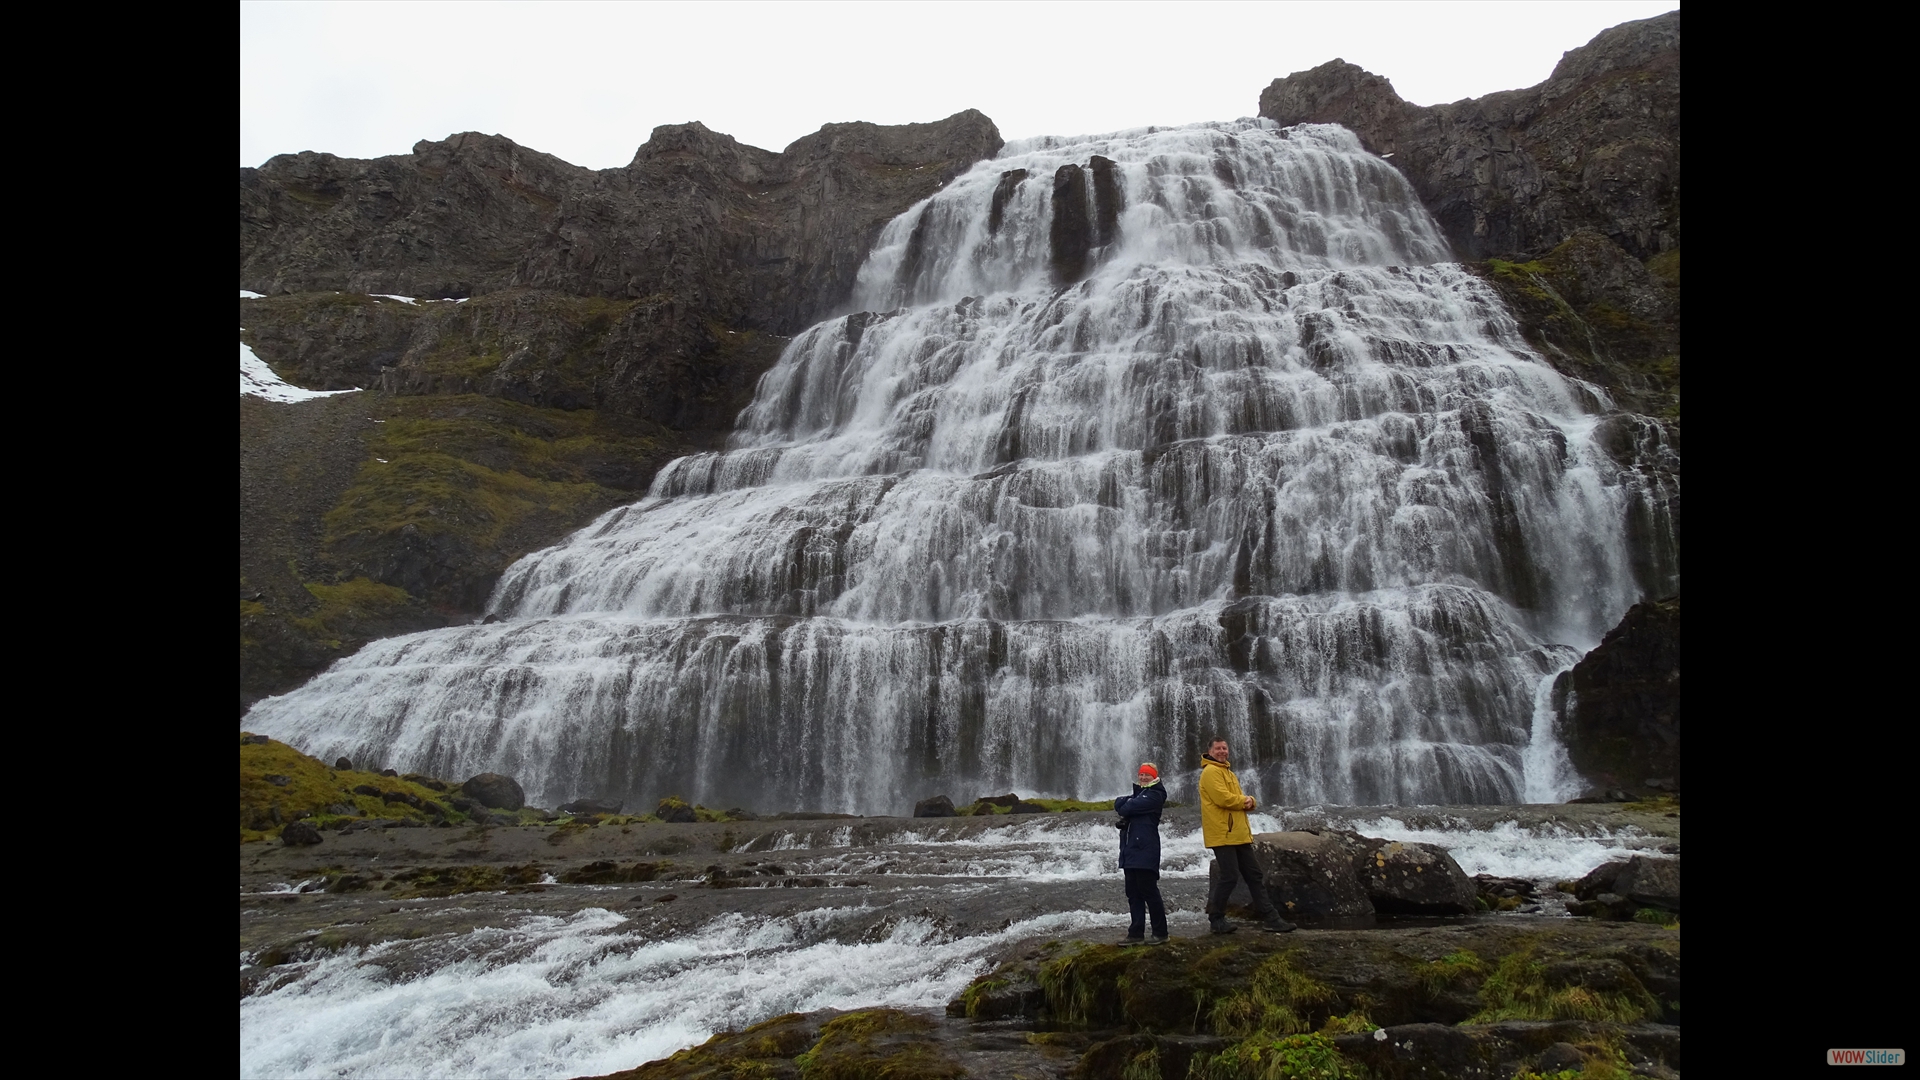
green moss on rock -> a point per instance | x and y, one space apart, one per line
877 1044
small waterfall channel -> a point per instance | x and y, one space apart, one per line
1135 439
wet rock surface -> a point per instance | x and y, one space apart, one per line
1619 708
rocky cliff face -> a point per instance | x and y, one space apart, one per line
1596 146
744 236
1619 707
618 319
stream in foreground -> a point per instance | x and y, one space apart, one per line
745 921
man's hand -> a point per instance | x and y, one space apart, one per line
1249 800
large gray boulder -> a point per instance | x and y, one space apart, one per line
1403 878
1618 890
1311 873
495 791
1650 882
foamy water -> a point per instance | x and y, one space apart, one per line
557 997
1546 852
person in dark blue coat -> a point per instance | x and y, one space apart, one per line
1140 854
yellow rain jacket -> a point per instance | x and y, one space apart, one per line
1223 817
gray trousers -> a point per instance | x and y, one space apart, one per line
1236 862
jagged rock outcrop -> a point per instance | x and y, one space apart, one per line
744 236
1595 146
1619 707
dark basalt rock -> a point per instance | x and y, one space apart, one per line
344 764
496 792
1072 229
591 806
1619 707
938 806
1109 198
299 834
1002 192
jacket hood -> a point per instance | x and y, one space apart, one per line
1216 764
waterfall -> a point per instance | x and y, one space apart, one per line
1135 440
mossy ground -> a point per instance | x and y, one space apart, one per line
450 491
1286 1057
1281 1002
505 424
872 1044
1526 987
1590 335
494 477
279 785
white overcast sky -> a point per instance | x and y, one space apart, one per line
587 82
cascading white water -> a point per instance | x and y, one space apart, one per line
1138 439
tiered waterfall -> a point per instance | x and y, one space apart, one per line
1135 439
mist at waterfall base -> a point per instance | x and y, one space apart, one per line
589 991
1135 440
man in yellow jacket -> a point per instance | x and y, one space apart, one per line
1223 827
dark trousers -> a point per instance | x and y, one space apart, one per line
1143 897
1236 862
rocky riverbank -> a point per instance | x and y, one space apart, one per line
981 945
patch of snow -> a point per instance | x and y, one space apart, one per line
247 294
394 296
258 379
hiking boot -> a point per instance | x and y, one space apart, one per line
1274 924
1157 939
1131 939
1222 926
